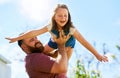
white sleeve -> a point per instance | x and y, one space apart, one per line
72 30
49 27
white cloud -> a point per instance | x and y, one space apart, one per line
12 52
38 10
3 48
4 1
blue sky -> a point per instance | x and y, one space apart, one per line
97 20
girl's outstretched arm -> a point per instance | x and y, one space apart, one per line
29 34
87 45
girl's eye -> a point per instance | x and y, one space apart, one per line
60 15
65 15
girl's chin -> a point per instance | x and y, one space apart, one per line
62 25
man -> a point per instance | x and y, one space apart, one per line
40 65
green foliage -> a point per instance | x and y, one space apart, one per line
118 47
81 72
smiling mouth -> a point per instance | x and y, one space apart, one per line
62 21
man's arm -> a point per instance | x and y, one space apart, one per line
61 64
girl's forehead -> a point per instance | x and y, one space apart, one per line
61 11
64 9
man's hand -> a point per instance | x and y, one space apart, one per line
61 64
62 39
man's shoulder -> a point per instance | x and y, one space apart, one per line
38 56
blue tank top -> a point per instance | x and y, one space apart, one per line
71 41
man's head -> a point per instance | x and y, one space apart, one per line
31 45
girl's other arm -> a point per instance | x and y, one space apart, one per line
87 45
29 34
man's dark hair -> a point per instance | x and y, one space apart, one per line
20 42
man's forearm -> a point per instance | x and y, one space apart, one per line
64 60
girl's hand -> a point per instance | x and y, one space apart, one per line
102 58
11 40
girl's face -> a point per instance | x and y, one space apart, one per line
61 17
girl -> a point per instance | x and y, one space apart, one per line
61 21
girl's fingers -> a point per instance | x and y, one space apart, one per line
7 38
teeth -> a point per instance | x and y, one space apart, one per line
62 21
